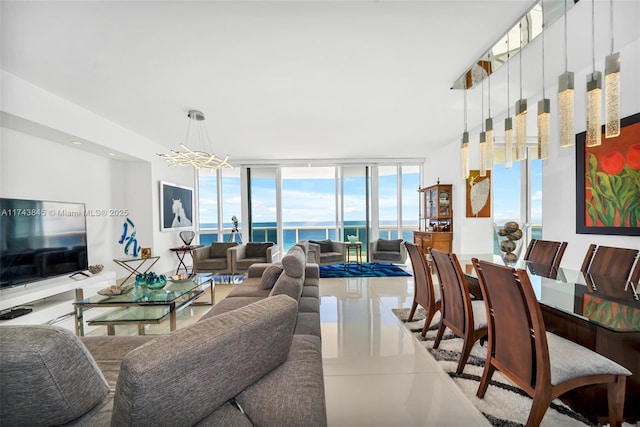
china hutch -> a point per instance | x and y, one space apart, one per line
436 218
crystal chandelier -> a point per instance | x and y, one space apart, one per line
197 157
544 109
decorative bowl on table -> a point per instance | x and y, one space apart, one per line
95 269
151 280
113 290
352 239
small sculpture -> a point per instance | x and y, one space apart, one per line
510 247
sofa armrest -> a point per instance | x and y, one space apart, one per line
373 247
338 246
403 253
273 253
234 254
201 253
313 254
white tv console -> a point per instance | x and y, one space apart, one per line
50 299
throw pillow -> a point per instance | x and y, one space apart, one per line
257 250
294 262
219 249
325 245
389 245
270 276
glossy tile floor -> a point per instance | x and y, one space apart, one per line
376 373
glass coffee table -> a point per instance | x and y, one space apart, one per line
140 305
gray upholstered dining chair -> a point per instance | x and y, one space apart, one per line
425 293
542 364
464 317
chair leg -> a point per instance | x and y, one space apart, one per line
541 402
427 323
487 374
439 335
615 395
413 311
464 355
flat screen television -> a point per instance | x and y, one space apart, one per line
41 239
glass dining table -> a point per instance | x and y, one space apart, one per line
598 312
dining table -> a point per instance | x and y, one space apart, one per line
598 312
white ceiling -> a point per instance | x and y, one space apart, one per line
275 79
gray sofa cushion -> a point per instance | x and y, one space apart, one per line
270 275
257 250
293 393
226 416
294 262
287 285
325 245
48 376
229 304
389 245
251 289
308 324
308 305
180 378
219 249
388 256
108 352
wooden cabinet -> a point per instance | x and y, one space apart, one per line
436 218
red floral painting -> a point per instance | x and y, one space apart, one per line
609 200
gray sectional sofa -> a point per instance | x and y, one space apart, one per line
254 360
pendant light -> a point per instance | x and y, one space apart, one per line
594 89
488 159
544 109
508 123
566 88
483 140
612 87
521 115
464 150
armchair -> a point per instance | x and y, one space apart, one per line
388 251
241 257
326 252
214 258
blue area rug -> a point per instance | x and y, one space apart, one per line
366 270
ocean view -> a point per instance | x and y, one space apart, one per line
320 230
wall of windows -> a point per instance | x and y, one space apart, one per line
286 204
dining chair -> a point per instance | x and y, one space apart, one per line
425 294
614 263
545 252
542 364
466 318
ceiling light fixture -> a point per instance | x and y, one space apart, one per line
521 115
483 140
566 88
594 89
508 123
544 110
197 157
464 149
488 159
612 87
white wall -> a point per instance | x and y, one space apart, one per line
34 166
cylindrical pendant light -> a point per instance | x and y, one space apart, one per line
566 88
544 109
508 124
483 140
594 95
488 159
521 115
612 87
464 149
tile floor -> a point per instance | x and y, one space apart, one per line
375 373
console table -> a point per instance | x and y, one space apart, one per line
181 252
136 265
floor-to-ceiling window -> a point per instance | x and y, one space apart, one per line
285 204
263 208
309 209
517 193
